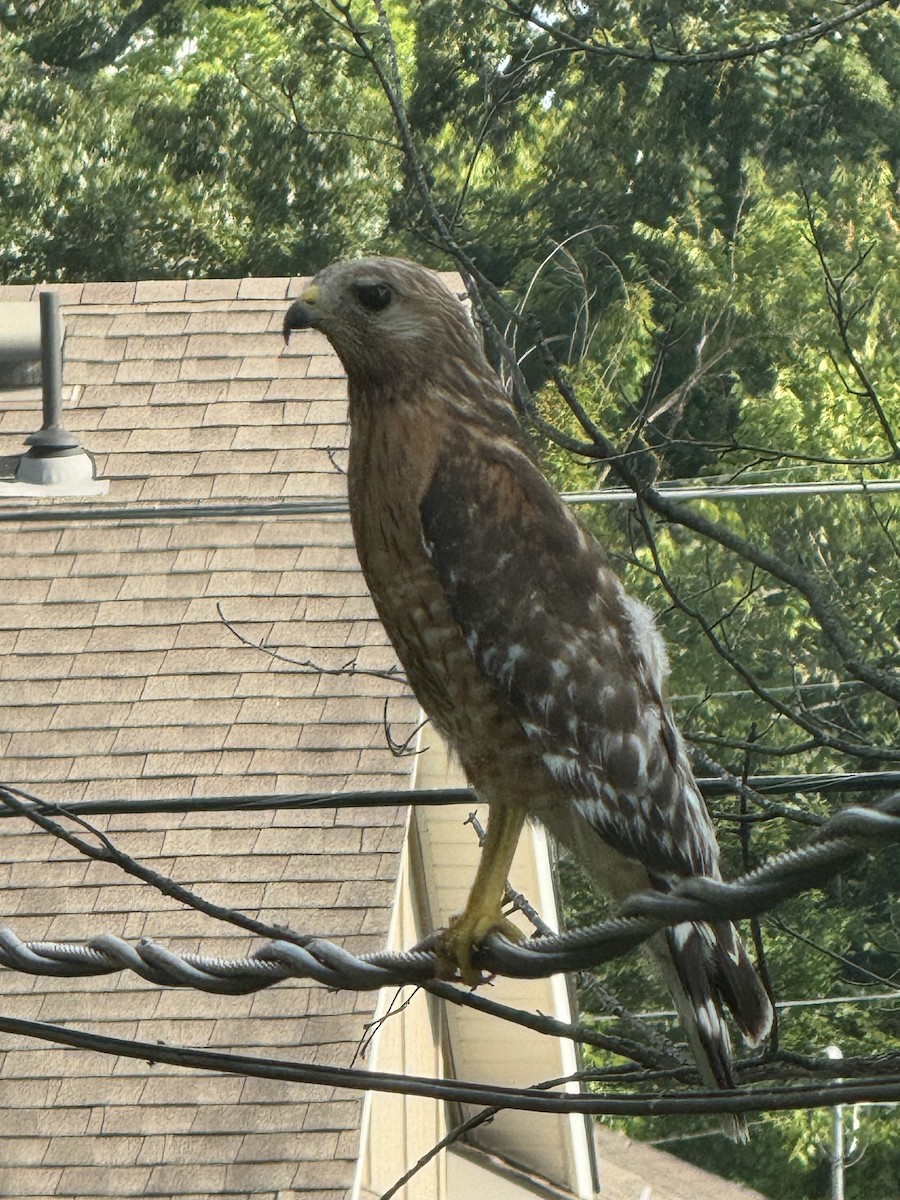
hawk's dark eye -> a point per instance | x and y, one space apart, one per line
373 296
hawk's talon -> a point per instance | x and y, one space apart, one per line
465 934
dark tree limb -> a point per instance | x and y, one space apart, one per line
680 57
112 48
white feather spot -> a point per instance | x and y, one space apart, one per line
563 768
708 1019
681 935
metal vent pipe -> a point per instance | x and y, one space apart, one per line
53 437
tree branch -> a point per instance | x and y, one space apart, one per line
114 46
794 40
821 738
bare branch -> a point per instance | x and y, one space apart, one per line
835 290
406 748
793 41
307 666
108 852
772 809
452 1135
806 585
658 1052
857 968
821 737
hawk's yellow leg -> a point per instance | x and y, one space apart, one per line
482 914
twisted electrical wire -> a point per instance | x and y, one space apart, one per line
846 836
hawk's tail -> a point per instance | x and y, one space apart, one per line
707 969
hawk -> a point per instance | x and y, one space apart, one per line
543 674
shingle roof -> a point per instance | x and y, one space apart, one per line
631 1170
118 678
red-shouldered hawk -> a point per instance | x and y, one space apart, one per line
543 674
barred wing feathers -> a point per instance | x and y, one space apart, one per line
577 661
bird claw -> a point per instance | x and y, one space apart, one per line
465 934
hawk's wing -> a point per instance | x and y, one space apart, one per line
577 661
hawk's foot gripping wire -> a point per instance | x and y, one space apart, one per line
463 935
482 914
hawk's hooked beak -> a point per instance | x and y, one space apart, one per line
302 313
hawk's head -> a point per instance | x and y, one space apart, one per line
390 321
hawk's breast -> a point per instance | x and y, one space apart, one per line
391 464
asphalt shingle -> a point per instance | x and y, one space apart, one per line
119 679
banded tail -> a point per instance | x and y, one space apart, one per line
708 970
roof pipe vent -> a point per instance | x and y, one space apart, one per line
57 456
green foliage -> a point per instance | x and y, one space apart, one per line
209 148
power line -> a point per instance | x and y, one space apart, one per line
850 781
871 781
738 491
789 689
840 841
884 1087
669 1014
102 511
311 800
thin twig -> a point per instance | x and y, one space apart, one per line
307 666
